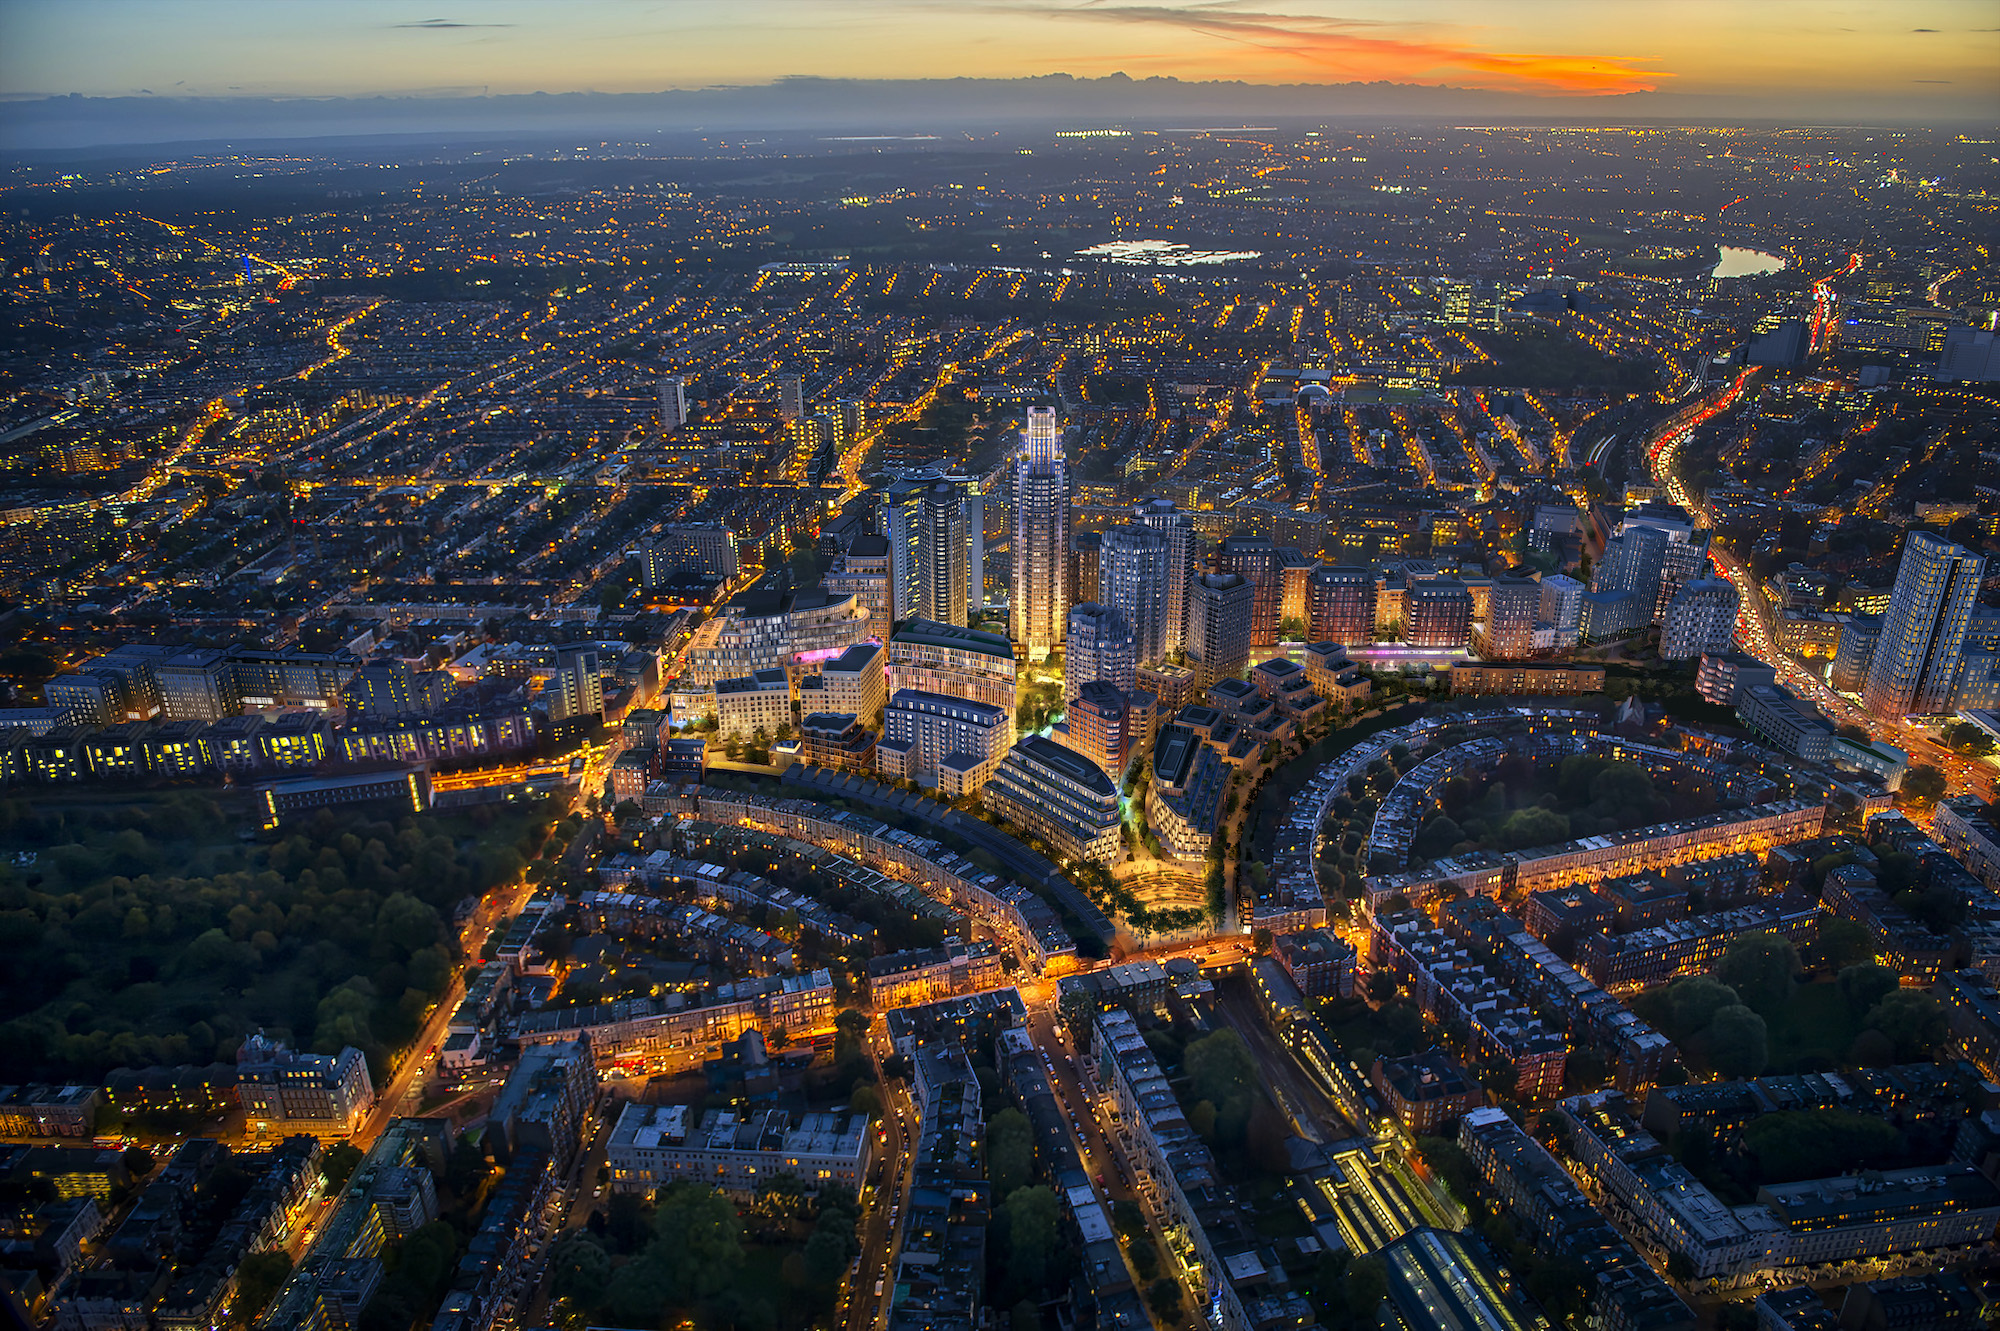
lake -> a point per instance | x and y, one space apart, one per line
1738 262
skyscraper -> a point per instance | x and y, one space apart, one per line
1161 516
1700 619
1040 595
1219 610
941 554
1100 647
1915 666
1632 563
900 522
673 403
1342 605
1135 568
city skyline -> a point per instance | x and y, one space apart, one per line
1559 58
1337 669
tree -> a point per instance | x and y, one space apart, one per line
1923 786
337 1164
258 1279
1843 942
1367 1284
1693 1001
1163 1296
697 1242
1738 1044
1912 1020
1219 1066
1033 1217
581 1268
1010 1152
1865 985
1795 1144
1762 969
825 1257
866 1098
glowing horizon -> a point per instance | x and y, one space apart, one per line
1921 51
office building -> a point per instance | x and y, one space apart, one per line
197 685
1439 615
957 662
1100 646
1135 576
947 743
1700 620
1914 669
673 403
1059 796
1970 355
1039 601
1218 642
1160 515
1340 605
941 554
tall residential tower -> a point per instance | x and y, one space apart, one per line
1040 594
1915 666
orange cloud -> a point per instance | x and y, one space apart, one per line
1333 45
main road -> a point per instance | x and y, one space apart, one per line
1757 623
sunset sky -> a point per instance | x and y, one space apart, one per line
1789 58
1947 49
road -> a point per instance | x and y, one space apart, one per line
1757 622
861 1308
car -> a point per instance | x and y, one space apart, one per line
878 1289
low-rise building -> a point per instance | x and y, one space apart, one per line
1523 679
1320 962
1425 1091
326 1095
653 1146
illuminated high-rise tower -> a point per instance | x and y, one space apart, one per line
1915 667
941 551
1178 528
1039 604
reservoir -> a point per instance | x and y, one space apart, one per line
1738 262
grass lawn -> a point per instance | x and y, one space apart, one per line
1814 1031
